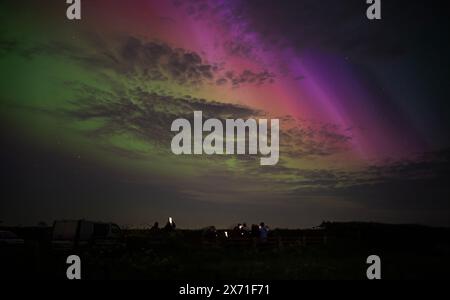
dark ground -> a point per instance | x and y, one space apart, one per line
339 251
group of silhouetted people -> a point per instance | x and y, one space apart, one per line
170 226
258 232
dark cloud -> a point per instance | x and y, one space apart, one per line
146 61
301 138
407 184
415 174
158 60
246 77
146 115
149 115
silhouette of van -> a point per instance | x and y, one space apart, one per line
82 234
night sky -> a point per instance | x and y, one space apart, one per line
86 108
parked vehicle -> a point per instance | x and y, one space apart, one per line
8 238
82 234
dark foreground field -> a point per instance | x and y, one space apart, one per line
338 251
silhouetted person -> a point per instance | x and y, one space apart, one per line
236 232
210 233
263 232
170 226
155 228
244 230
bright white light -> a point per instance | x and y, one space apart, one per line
226 234
170 220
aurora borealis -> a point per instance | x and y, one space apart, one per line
86 108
